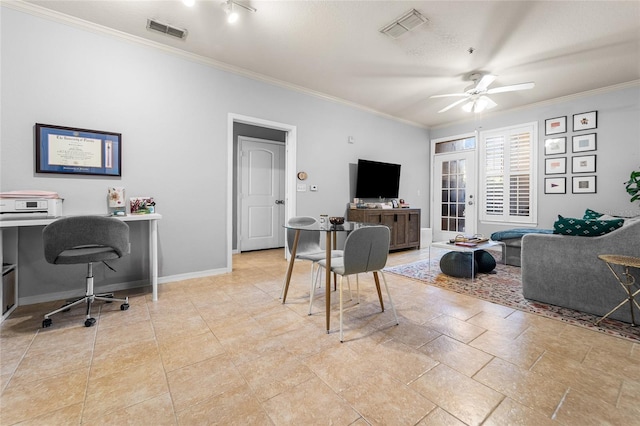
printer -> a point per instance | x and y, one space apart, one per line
30 208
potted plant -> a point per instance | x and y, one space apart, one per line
633 185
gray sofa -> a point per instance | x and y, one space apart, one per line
565 270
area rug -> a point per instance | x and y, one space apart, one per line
505 288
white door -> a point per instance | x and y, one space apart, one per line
261 195
454 189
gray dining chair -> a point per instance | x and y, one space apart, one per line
85 239
308 248
365 250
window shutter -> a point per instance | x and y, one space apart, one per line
494 176
519 174
507 174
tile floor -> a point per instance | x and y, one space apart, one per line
224 350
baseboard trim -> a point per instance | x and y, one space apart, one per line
70 294
190 275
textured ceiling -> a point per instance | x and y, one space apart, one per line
334 48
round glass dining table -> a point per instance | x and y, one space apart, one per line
331 232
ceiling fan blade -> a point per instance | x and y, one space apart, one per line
484 82
512 88
452 105
449 95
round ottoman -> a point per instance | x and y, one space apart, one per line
486 262
458 264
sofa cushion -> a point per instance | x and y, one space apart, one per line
585 228
518 233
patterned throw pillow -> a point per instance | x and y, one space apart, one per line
591 214
585 228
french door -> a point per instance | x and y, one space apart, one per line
454 194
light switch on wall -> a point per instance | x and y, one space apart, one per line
314 187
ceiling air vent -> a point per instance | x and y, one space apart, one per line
166 29
405 23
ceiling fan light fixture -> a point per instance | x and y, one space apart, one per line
480 105
405 23
468 106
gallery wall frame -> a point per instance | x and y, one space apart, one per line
583 185
586 142
556 185
554 126
555 146
583 164
555 166
585 121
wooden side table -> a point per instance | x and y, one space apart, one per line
625 279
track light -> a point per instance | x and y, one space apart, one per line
231 11
232 15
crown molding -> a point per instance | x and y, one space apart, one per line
51 15
62 18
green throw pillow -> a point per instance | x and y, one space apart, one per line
585 228
591 214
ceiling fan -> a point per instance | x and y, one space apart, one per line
476 94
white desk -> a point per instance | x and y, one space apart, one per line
153 244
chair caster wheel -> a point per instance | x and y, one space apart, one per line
124 306
89 322
46 323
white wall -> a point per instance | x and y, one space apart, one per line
172 113
618 151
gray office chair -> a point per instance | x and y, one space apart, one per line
85 239
365 250
308 248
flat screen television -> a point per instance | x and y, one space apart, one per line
377 180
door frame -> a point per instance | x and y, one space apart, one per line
291 141
435 197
